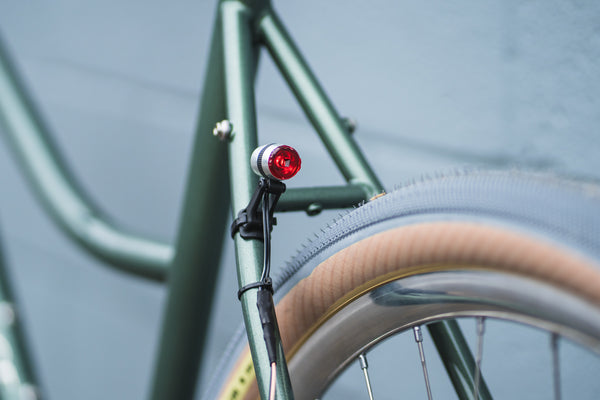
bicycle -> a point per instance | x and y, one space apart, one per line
213 186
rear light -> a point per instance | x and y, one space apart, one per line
275 161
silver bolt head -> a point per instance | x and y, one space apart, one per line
223 130
350 124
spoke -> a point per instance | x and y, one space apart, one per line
365 366
478 357
419 340
555 365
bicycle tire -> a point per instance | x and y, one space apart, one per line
514 245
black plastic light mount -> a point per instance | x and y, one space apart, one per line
249 222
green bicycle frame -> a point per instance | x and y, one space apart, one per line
219 176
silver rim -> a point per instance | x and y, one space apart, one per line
412 301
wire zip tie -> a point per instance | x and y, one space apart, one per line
268 285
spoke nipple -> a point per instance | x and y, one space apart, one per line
223 130
480 326
350 124
363 361
418 334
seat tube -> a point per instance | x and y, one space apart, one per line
240 55
193 272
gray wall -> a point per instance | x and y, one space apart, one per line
434 86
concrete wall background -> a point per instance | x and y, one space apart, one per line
434 86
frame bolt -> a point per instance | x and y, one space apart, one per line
314 209
223 130
350 124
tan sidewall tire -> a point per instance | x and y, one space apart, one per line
534 226
416 249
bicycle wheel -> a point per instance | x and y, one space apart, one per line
487 244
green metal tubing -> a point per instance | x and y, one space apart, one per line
458 360
313 200
240 64
199 243
316 105
15 357
57 190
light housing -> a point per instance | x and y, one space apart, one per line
275 161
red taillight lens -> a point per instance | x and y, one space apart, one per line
284 162
276 161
